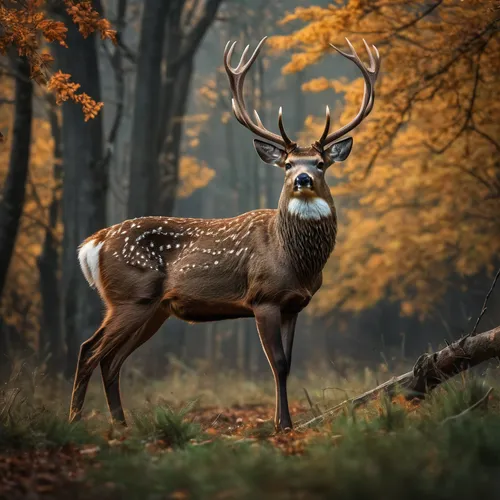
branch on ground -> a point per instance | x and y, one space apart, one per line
430 370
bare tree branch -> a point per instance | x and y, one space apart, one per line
468 410
485 304
429 371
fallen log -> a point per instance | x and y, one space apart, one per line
430 370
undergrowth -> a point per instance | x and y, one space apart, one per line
165 424
444 447
387 450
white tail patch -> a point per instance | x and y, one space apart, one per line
313 209
88 255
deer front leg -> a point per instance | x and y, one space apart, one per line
268 320
288 322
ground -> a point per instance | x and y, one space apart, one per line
215 443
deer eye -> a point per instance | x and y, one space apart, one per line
288 166
321 165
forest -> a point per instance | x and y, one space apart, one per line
117 109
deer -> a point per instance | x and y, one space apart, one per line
266 263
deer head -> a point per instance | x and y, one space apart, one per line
304 166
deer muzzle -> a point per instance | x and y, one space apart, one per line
303 181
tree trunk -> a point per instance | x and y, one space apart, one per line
84 190
158 112
51 340
12 200
144 173
5 363
170 170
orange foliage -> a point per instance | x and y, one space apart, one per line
419 197
88 20
193 174
24 25
64 90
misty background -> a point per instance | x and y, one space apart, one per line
166 143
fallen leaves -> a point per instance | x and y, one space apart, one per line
40 471
55 472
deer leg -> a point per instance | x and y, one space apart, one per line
288 322
111 374
268 320
83 373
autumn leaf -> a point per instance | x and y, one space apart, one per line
418 198
24 25
193 174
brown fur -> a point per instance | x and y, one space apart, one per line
265 263
203 270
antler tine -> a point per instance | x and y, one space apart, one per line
288 141
370 55
374 68
370 75
236 81
327 127
242 58
256 52
257 117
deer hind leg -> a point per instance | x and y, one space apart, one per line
268 320
112 363
83 373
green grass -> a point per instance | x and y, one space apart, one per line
41 428
461 460
163 423
384 450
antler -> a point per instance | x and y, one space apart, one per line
236 81
370 75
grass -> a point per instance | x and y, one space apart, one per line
395 453
175 449
163 423
41 428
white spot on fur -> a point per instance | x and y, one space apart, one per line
88 255
315 209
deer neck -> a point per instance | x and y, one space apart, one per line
306 230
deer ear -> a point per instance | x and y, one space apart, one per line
270 154
340 150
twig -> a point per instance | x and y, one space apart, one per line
10 402
430 370
485 308
215 420
314 410
345 390
468 410
388 386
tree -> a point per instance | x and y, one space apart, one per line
51 339
25 26
421 195
13 193
170 35
84 188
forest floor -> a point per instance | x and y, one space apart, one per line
212 444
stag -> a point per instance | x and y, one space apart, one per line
265 264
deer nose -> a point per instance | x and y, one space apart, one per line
303 180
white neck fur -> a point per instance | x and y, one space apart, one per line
311 209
